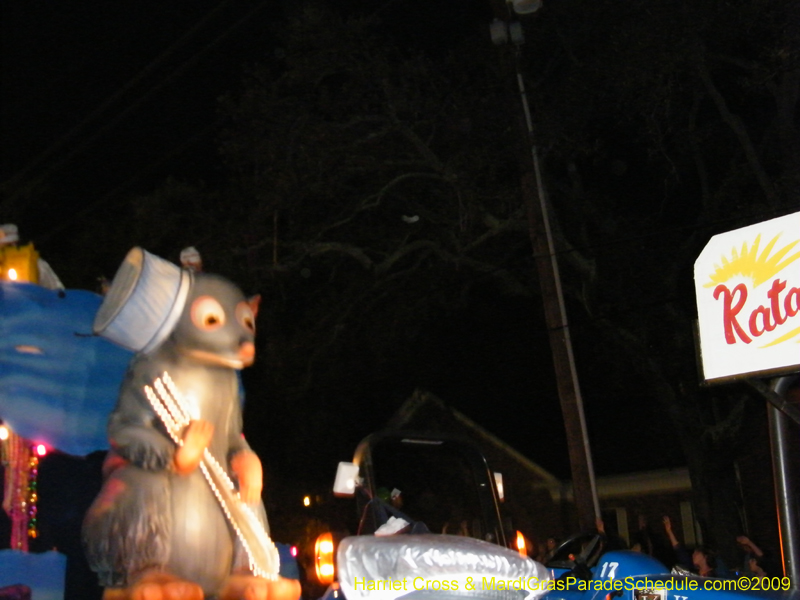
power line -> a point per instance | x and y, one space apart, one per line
174 152
14 181
717 223
104 200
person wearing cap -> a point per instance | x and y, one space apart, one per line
191 259
9 235
396 497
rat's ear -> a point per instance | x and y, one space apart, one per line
254 302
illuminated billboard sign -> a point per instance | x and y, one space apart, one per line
747 284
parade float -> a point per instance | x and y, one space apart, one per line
58 383
179 464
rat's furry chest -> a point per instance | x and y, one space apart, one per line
210 393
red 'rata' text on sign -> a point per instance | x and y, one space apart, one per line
763 318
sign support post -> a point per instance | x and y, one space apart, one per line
785 482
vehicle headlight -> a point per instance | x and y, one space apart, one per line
324 561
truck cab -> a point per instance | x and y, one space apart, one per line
439 483
418 498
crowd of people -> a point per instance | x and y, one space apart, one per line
700 559
704 561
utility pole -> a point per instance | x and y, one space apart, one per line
580 455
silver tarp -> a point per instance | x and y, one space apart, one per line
435 566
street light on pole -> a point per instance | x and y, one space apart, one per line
580 455
525 7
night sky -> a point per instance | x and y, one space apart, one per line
103 99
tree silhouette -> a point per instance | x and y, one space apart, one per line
666 122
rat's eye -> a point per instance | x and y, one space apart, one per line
207 313
244 313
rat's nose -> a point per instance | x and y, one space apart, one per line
247 352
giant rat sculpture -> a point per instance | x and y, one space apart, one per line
157 530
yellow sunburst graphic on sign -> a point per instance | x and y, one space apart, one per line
759 267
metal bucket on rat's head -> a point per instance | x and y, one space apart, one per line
144 302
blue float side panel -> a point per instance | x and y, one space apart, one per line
58 382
